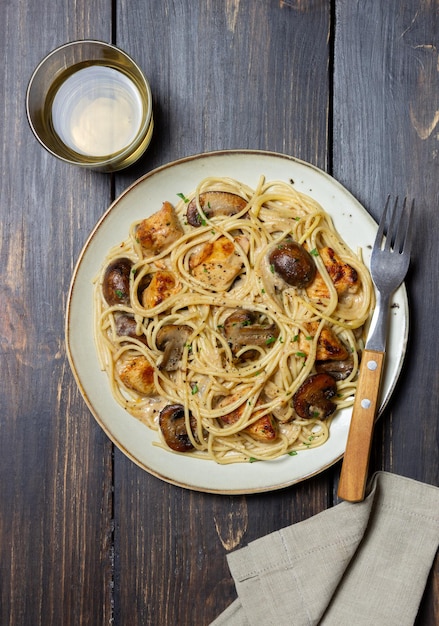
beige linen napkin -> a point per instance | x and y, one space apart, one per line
352 565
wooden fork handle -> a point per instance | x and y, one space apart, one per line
355 465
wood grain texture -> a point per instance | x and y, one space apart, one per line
235 74
388 156
86 537
55 465
354 471
385 141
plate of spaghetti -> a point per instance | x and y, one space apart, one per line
217 316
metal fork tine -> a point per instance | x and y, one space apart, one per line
400 228
380 232
406 242
392 230
396 229
388 265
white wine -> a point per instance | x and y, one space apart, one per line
97 111
89 104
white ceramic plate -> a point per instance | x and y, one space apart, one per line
144 197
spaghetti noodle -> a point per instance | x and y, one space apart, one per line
220 319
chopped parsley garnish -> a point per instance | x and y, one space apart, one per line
183 197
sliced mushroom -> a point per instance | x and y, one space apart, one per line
339 370
116 282
137 374
313 399
126 326
243 328
293 263
144 283
214 203
172 338
172 424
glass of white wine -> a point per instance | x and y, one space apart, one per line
88 103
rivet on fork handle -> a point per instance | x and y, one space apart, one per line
353 476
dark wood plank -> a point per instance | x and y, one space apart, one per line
390 48
247 74
230 75
55 463
238 74
385 142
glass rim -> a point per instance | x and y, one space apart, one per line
143 132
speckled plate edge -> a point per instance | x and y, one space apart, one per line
144 197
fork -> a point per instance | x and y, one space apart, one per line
388 265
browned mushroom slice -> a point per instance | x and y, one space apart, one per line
158 232
172 424
313 399
293 263
214 203
126 326
172 338
116 282
243 328
145 281
337 369
137 374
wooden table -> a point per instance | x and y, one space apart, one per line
86 537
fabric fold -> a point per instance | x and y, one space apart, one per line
363 563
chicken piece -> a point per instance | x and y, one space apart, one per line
158 232
218 262
329 346
137 374
264 429
343 276
163 284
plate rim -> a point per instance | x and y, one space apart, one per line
402 291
